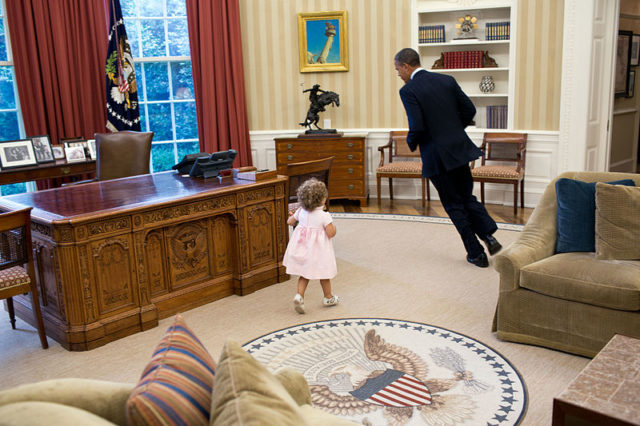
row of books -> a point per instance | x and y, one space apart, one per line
463 59
497 31
492 31
431 34
497 117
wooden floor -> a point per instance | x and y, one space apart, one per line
500 213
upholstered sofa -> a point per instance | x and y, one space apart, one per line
570 301
175 388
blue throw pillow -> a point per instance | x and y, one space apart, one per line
577 214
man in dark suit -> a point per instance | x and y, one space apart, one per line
438 112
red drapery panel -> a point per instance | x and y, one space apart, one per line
59 50
218 77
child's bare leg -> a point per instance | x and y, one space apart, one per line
326 288
302 285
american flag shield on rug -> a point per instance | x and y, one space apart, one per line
122 91
394 388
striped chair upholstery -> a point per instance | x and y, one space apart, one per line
176 386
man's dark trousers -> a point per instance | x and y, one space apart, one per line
455 188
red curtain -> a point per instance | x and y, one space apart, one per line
59 50
218 77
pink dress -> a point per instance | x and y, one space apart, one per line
310 251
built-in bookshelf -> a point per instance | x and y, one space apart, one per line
495 20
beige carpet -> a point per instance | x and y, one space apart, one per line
402 269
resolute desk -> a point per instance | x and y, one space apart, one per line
113 257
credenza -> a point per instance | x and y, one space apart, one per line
113 257
348 172
56 169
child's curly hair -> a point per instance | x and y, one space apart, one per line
311 193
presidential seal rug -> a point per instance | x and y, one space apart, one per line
378 371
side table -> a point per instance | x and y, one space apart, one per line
607 391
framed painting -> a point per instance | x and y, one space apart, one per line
18 153
322 40
42 149
635 50
623 57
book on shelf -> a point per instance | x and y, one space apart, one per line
256 175
463 59
431 34
498 31
497 117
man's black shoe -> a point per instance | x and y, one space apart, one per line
480 260
492 244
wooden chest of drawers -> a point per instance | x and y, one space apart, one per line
348 172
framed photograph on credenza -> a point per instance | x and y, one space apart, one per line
75 154
91 147
17 153
42 149
623 59
58 152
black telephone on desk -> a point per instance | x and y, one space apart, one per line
212 166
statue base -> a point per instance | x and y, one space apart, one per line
320 133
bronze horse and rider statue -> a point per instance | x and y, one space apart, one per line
319 99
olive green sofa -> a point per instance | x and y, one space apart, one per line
177 387
572 302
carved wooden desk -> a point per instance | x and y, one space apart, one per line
113 257
57 169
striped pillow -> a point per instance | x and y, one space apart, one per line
176 386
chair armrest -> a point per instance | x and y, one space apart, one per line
536 242
381 149
102 398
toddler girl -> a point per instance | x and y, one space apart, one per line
310 250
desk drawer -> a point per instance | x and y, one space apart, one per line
283 158
319 147
347 171
345 188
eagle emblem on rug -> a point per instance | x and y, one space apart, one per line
352 372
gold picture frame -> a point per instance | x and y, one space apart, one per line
322 41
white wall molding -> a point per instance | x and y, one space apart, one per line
541 167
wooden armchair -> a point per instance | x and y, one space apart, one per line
299 172
394 168
16 254
509 151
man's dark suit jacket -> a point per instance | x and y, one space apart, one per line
438 111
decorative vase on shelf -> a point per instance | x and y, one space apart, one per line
486 84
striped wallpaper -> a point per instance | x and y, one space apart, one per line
377 29
538 64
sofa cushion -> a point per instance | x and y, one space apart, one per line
47 413
103 398
246 393
176 385
617 222
576 214
581 278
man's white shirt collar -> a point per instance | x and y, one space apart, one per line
415 71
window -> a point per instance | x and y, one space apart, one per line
157 32
10 116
